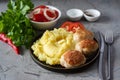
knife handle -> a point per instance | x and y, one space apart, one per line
101 63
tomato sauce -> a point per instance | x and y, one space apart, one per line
44 14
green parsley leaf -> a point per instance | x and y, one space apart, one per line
15 24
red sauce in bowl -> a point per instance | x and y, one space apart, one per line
43 13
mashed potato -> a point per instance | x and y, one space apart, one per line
52 45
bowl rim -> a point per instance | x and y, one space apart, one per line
52 7
95 10
78 11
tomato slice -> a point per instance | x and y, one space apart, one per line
67 25
72 26
77 25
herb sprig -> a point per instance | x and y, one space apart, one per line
15 24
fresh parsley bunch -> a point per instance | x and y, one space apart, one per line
15 24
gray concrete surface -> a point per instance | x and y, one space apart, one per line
22 67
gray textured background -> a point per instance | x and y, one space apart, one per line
22 67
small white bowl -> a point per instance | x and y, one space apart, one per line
92 14
47 25
74 14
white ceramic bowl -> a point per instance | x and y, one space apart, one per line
91 14
74 14
47 25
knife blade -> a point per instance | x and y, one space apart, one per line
101 57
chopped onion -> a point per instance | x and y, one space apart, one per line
47 17
37 11
30 15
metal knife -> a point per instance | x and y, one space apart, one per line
101 57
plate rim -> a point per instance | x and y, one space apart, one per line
62 70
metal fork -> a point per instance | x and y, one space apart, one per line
109 40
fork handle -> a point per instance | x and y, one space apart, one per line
109 63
